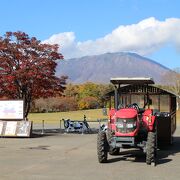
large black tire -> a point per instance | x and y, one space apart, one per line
102 147
151 148
114 151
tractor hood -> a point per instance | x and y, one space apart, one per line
126 113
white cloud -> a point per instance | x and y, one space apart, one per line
145 37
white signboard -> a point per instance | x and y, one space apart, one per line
1 127
11 109
15 128
23 128
11 128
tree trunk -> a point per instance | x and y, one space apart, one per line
27 102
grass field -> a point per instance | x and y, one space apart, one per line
178 115
91 115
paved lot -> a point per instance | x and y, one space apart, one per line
73 157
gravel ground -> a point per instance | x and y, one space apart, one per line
74 157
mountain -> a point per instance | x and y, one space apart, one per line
100 68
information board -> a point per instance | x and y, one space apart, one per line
23 128
1 127
11 109
15 128
10 129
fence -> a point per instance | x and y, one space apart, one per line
45 127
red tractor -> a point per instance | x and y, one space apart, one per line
130 126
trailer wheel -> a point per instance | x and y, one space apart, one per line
151 148
114 151
102 147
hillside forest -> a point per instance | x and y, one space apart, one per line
75 97
81 97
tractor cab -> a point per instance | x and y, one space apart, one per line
128 116
149 101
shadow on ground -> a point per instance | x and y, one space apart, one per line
166 151
38 133
135 155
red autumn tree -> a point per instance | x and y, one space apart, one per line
27 68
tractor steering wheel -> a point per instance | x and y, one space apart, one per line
135 106
120 106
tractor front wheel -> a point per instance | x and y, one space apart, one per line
102 147
151 148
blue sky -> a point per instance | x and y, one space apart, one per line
87 27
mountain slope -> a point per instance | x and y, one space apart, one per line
100 68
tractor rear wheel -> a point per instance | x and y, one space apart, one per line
151 148
114 151
102 147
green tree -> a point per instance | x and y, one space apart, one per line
88 103
71 90
88 89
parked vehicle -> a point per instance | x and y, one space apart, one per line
143 116
76 126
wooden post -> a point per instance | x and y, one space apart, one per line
60 125
42 127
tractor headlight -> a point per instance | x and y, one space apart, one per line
126 125
129 125
119 125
